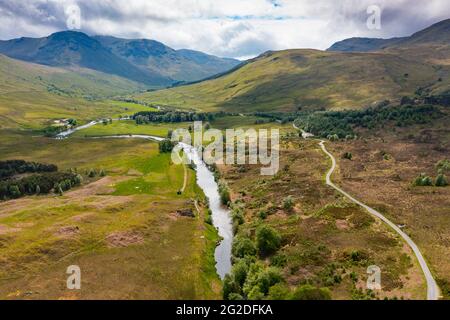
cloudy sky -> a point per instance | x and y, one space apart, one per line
231 28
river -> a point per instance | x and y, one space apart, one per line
205 179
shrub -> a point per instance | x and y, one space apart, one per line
224 193
238 216
229 287
262 214
243 247
267 240
280 291
308 292
166 146
14 191
240 271
288 203
443 166
347 155
423 181
259 280
441 181
92 173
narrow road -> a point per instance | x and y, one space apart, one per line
433 292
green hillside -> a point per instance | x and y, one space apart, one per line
306 79
31 95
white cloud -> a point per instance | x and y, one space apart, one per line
232 28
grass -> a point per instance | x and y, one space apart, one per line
306 79
387 183
130 127
322 230
138 198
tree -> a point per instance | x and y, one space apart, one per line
14 191
441 181
243 247
224 193
229 287
280 291
308 292
38 189
92 173
166 146
267 240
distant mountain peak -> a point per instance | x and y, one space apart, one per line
141 60
437 33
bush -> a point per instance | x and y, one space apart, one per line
262 214
347 155
268 240
443 166
166 146
240 271
224 193
288 203
259 280
308 292
280 291
229 287
238 216
441 181
423 181
243 247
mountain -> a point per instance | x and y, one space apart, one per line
306 79
324 80
76 49
437 34
363 44
180 65
144 61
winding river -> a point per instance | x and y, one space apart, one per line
205 180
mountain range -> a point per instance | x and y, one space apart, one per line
352 74
438 33
143 61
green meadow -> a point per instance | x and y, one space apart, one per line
122 229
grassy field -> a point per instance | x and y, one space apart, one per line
326 241
382 172
36 110
307 79
122 230
130 127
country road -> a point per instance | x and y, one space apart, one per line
433 292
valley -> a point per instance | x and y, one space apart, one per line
143 227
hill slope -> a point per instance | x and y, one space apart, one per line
307 79
75 49
437 34
32 94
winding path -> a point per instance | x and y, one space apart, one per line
433 292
